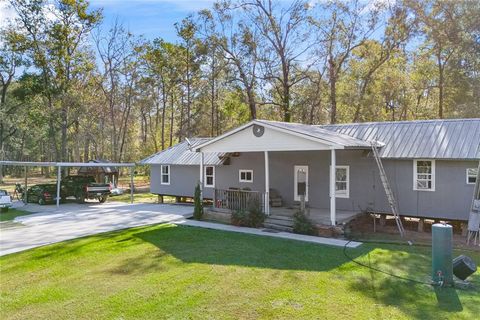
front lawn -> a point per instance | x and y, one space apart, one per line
12 214
191 273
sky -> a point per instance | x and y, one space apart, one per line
151 18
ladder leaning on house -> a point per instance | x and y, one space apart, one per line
388 190
474 217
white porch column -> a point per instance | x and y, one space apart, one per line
59 175
333 165
201 175
267 185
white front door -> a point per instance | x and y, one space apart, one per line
301 182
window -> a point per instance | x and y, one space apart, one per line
165 176
342 181
424 175
472 175
210 176
245 176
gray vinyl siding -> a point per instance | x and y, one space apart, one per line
183 180
450 200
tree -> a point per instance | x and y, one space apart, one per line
238 44
440 23
55 35
348 26
11 59
285 44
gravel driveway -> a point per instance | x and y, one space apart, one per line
49 225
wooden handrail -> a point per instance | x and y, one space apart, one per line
237 200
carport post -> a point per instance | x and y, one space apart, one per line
131 184
59 174
25 200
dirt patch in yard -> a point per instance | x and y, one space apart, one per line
363 228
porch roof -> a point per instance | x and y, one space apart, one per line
281 136
183 154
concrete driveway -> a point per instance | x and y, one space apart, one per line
49 225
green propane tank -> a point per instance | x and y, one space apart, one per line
442 265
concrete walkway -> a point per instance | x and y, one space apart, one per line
269 233
72 221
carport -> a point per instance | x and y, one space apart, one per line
60 165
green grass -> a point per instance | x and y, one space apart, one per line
191 273
12 214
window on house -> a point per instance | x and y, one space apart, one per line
472 175
245 175
210 176
165 176
424 175
342 181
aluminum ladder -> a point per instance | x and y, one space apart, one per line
473 232
388 190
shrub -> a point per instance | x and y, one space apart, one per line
256 217
198 205
253 217
303 225
239 218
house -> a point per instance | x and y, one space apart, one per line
431 165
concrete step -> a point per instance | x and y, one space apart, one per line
277 227
280 217
282 223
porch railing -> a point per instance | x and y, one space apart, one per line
237 200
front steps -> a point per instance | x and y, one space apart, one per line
279 223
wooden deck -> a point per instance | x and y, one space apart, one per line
318 215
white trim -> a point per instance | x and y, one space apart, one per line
470 175
162 174
240 171
273 127
213 177
295 186
346 193
415 175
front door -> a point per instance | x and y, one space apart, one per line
301 182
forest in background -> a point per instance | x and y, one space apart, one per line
73 88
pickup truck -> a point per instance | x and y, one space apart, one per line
84 187
5 200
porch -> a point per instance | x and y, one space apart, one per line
316 215
231 200
292 160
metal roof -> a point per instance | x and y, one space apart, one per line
96 170
182 154
431 139
329 136
64 164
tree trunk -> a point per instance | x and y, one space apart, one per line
333 91
441 82
171 119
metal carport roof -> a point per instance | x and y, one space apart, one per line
60 165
